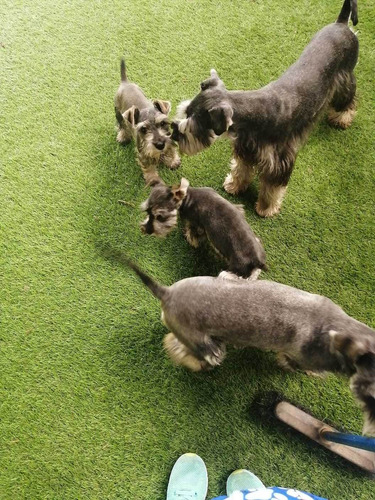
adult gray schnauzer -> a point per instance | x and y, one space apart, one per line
267 126
309 332
148 122
206 215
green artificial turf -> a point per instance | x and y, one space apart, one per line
91 408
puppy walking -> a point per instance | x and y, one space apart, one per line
308 331
146 121
206 215
267 126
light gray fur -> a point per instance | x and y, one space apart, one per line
308 331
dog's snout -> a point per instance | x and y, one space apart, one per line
159 145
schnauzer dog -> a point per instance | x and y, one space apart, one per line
309 332
206 215
267 126
148 122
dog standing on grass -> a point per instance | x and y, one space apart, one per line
267 126
206 215
309 332
146 121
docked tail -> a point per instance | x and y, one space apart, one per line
159 291
349 10
123 71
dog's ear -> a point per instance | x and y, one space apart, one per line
362 384
346 345
162 106
213 81
119 117
179 192
175 131
221 118
132 115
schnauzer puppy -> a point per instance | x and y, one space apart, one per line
206 215
308 331
147 121
267 126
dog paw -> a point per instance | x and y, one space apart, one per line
175 164
230 186
341 120
266 212
227 275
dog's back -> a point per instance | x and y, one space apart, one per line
227 230
262 314
129 94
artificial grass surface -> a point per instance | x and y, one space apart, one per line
90 405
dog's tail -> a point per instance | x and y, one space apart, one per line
349 10
159 291
124 78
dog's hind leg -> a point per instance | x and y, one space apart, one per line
240 176
182 355
342 107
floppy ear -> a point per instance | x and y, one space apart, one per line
346 345
132 115
221 118
162 106
175 131
180 191
213 81
119 117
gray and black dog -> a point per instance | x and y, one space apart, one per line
148 122
206 215
309 332
267 126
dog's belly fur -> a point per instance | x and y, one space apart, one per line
261 314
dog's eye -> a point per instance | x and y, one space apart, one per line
163 123
143 130
161 218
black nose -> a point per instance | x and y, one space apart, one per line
159 145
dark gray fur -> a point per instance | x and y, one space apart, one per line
148 122
267 126
206 215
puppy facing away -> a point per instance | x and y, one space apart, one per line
206 215
308 331
146 121
267 126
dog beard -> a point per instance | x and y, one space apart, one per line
189 141
192 138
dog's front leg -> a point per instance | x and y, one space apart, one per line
148 166
240 176
269 199
194 235
170 158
